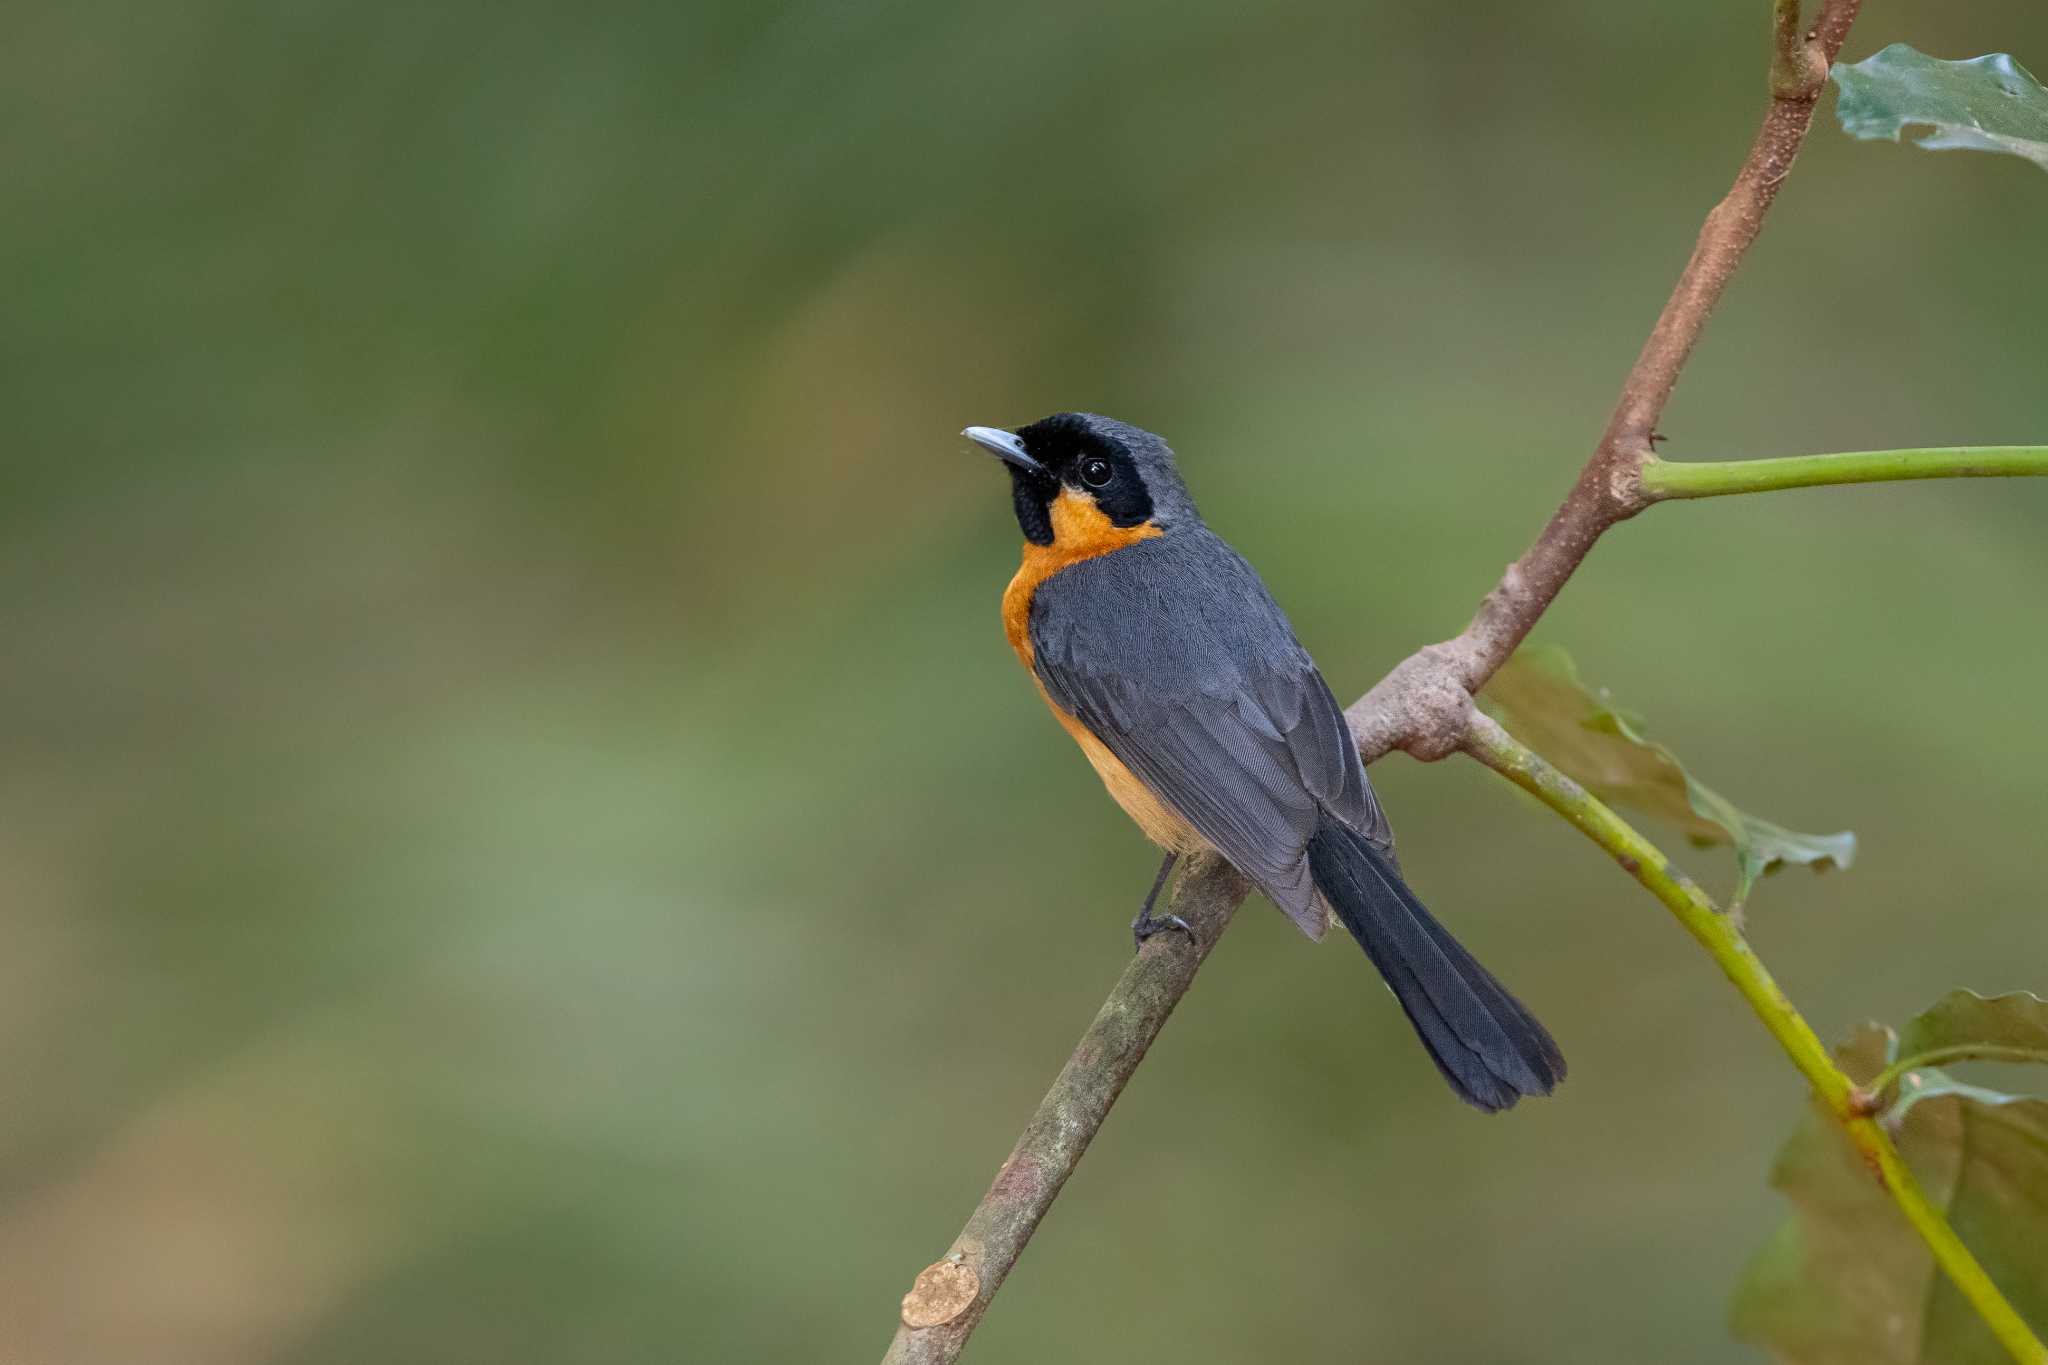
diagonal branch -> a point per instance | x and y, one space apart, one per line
1423 706
946 1303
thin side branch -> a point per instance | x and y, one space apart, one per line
947 1301
1664 479
1788 52
1720 936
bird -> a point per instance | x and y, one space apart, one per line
1160 651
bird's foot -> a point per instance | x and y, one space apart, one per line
1148 924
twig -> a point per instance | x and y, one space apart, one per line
1662 479
949 1297
1788 51
1423 706
1720 936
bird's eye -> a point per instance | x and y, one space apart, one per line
1096 471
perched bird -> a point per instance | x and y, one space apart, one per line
1160 651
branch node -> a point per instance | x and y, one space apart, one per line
1421 708
1801 74
1625 483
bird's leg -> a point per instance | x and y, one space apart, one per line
1144 926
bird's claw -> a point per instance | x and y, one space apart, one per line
1148 924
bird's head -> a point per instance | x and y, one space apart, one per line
1077 475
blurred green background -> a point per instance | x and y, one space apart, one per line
522 839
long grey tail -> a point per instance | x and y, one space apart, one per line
1488 1046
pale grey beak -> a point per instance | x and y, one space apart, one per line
1005 446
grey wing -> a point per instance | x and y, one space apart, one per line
1354 803
1173 654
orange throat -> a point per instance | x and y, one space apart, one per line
1080 530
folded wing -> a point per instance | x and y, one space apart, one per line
1173 654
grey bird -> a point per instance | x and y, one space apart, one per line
1160 651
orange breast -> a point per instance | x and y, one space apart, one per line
1160 822
1081 531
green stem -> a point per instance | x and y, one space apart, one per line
1663 479
1958 1052
1718 934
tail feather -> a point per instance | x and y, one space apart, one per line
1486 1044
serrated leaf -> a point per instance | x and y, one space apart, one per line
1846 1281
1539 696
1987 104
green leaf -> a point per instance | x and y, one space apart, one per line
1539 696
1998 1027
1964 1026
1987 104
1845 1279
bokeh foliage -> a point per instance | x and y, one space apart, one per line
523 840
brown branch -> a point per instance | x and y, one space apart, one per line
1423 706
947 1301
